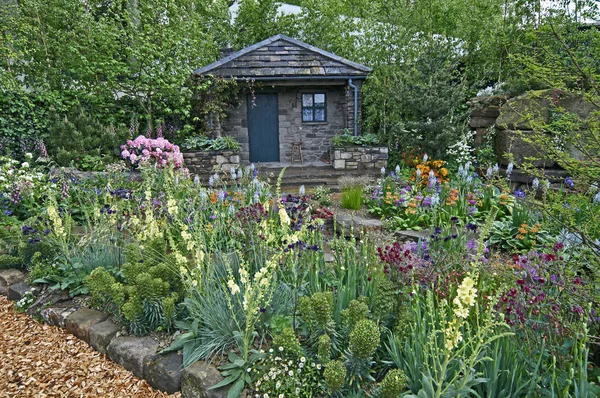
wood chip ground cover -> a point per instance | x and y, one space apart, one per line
38 360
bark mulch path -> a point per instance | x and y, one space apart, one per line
38 360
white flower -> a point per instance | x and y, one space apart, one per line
383 171
29 155
291 373
319 366
280 349
235 289
425 157
302 359
25 165
302 190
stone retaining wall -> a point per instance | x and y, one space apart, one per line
205 162
359 157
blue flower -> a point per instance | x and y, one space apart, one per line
569 182
519 194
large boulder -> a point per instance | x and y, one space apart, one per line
509 141
532 110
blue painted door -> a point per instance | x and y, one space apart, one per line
263 128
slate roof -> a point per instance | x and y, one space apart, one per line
283 57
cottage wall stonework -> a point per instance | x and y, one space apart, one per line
315 137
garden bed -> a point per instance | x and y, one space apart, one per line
254 281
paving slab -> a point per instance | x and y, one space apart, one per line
80 322
163 372
131 352
198 378
10 277
101 334
412 236
357 225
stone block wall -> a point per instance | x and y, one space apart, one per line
315 137
359 157
206 162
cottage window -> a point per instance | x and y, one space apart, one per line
314 107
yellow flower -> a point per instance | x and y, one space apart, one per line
467 292
235 289
283 217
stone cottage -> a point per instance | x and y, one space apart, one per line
303 94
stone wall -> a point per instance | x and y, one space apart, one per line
315 137
359 157
515 118
206 162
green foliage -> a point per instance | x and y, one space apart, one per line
211 144
114 58
364 339
392 384
289 342
22 122
355 312
421 103
383 301
321 195
335 375
147 297
277 374
8 261
347 139
352 197
324 348
79 139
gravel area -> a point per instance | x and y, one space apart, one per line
38 360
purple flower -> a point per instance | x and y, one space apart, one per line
472 245
427 202
569 182
471 227
519 194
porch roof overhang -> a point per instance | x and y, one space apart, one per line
283 58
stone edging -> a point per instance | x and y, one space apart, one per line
139 355
359 157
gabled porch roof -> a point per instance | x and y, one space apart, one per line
279 58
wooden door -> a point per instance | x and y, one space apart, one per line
263 128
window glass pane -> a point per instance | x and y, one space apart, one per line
319 114
307 115
307 99
319 99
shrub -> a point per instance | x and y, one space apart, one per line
347 139
393 384
158 152
364 339
8 261
335 375
211 144
80 140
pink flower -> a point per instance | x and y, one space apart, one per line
125 154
